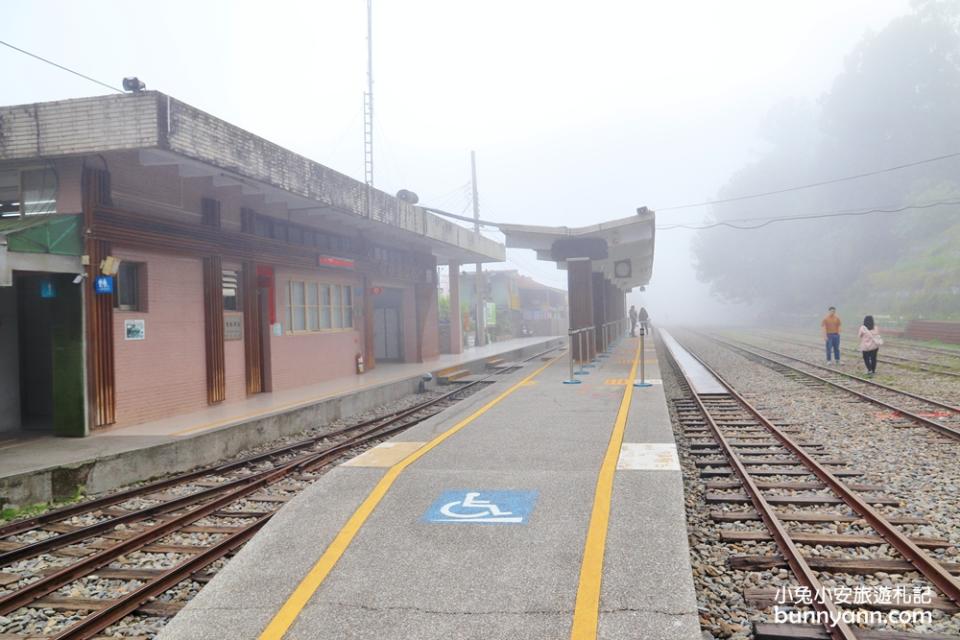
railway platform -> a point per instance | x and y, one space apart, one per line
532 509
42 468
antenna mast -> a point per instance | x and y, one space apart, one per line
368 112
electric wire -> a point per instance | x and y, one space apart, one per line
60 66
763 222
811 185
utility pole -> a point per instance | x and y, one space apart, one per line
478 276
368 113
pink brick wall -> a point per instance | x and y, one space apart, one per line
165 374
309 358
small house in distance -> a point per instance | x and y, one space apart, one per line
523 306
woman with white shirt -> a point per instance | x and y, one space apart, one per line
870 342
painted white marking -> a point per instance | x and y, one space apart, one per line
648 456
651 381
488 511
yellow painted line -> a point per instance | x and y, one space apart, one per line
288 613
586 612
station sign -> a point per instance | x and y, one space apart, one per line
482 507
103 284
333 261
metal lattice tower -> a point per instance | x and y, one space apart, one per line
368 110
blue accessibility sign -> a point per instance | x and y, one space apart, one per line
482 507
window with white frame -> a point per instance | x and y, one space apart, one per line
316 306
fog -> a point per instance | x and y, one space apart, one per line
582 112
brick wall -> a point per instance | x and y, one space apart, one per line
165 374
308 358
83 125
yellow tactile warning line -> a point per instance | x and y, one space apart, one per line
586 612
288 613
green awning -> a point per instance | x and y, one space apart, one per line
50 233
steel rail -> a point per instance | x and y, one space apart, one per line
926 565
53 581
97 503
945 429
889 358
86 506
68 574
118 609
778 531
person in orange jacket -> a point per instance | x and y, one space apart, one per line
831 334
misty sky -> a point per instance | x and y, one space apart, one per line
579 112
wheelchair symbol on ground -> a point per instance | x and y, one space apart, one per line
482 507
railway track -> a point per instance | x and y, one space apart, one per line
912 364
904 407
144 540
803 494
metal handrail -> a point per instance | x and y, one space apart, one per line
579 334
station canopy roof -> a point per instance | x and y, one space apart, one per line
160 131
620 249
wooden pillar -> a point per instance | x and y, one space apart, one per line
252 330
599 310
580 293
101 385
369 348
456 320
213 329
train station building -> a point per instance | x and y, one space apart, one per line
156 260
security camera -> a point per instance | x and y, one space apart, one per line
79 278
133 84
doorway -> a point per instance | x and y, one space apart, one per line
50 346
388 325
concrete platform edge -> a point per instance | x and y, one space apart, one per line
160 456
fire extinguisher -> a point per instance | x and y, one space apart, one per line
359 363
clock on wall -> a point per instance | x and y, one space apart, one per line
622 269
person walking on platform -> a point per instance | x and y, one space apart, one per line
644 318
870 343
831 333
633 321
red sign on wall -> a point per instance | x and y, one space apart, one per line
332 261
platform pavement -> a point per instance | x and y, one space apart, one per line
400 576
39 469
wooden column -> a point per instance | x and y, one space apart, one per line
213 329
101 384
580 293
252 330
369 335
456 321
599 309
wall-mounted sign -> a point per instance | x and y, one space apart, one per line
490 314
233 327
47 290
277 329
375 291
134 329
333 261
103 284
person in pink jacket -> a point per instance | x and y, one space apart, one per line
870 342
